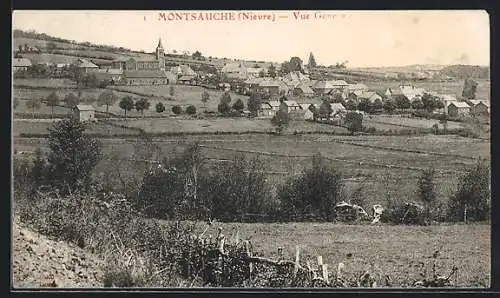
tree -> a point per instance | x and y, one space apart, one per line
107 98
317 190
364 105
225 98
197 55
272 71
171 90
238 105
426 190
472 200
312 61
33 104
223 108
205 97
262 73
389 106
177 109
429 102
354 122
417 104
141 105
73 155
191 110
285 68
296 64
402 102
126 104
325 110
377 105
71 100
253 104
160 108
280 121
351 105
469 90
52 101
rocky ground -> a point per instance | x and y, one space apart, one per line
38 261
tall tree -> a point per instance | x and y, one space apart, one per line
469 90
238 105
52 101
272 71
325 110
141 105
33 104
253 104
426 190
71 100
107 98
126 104
205 97
312 61
354 122
73 154
296 64
280 121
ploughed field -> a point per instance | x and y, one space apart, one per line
401 252
382 166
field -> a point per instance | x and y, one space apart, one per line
452 88
183 95
387 171
383 122
44 83
397 251
41 126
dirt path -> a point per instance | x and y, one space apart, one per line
38 261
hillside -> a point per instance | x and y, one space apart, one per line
38 261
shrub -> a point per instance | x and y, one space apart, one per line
177 109
473 195
191 110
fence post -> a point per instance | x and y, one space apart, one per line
325 272
249 254
297 259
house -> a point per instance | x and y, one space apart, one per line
266 110
84 113
182 70
110 74
149 77
447 100
410 92
339 84
370 95
458 109
322 87
290 105
479 108
302 90
308 114
186 80
20 64
275 105
337 109
273 87
86 65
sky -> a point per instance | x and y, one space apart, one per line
363 38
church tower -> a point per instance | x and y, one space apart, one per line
160 55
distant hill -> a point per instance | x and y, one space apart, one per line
464 71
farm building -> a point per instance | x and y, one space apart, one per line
266 110
411 92
322 87
113 75
447 100
272 87
85 65
479 108
19 64
289 105
370 95
84 113
150 77
459 108
302 90
186 80
182 70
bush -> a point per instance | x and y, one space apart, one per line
191 110
177 109
473 195
316 191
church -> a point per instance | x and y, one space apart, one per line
154 63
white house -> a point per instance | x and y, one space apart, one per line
84 113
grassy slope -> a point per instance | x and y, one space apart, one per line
393 250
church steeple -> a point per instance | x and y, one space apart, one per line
160 55
160 46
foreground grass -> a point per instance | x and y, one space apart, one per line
402 252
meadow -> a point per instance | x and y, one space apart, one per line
402 252
385 122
